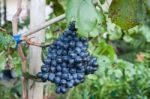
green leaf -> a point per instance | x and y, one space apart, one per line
48 2
118 73
102 1
72 9
58 9
105 49
147 3
103 62
145 31
114 31
88 20
127 13
92 77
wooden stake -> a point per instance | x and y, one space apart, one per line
20 51
37 17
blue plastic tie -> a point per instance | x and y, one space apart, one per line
17 39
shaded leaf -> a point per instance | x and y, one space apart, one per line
48 2
58 9
127 13
147 3
102 1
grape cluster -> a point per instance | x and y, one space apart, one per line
68 61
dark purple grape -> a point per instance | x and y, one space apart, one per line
58 74
59 52
74 76
47 61
65 58
64 76
63 89
72 71
70 84
76 81
58 68
51 77
79 44
70 77
39 74
80 76
82 54
78 59
44 68
72 44
64 52
52 69
45 76
71 61
64 70
72 26
63 81
78 50
73 55
63 65
58 90
54 63
57 80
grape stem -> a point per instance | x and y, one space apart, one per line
27 75
20 51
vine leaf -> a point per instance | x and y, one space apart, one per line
105 49
127 13
58 8
88 19
102 1
147 5
72 9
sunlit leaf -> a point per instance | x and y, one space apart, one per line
72 9
88 19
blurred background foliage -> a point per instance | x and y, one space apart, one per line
119 38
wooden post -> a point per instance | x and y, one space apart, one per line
37 17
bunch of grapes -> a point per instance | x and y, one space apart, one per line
68 61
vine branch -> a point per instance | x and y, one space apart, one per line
46 24
20 51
